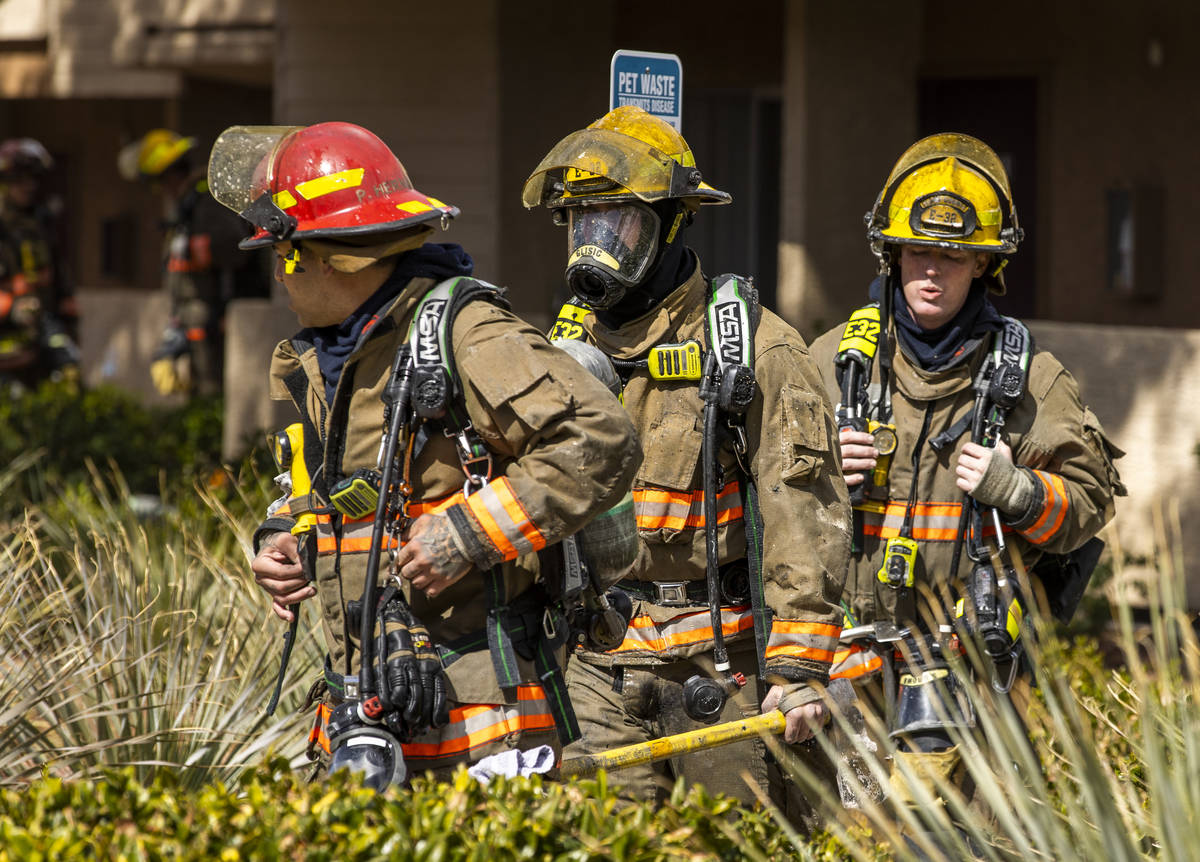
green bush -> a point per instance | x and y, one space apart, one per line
69 429
270 814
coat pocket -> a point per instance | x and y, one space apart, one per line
803 435
664 494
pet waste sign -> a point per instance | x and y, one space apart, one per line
652 82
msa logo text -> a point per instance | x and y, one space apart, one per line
428 349
729 331
1012 345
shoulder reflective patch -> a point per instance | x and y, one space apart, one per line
315 188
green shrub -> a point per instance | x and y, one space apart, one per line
270 814
70 429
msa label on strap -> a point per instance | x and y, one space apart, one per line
435 384
730 332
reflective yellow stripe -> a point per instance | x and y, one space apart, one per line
315 188
414 207
283 199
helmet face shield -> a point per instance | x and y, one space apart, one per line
621 238
239 169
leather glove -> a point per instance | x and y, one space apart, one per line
413 682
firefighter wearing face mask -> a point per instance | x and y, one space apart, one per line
740 504
968 453
37 302
471 640
202 267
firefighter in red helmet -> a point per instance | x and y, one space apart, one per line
456 655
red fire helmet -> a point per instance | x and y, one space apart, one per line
329 180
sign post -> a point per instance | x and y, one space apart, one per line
652 82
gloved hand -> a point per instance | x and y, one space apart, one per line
990 476
412 681
170 364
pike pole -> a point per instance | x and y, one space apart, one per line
773 723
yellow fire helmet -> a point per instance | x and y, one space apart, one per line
948 190
625 155
152 154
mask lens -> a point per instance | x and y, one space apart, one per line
620 238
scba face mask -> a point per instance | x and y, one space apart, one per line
610 248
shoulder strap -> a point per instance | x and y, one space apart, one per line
437 392
732 318
1008 373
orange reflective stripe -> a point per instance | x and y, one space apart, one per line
800 639
1054 508
797 627
356 532
475 724
505 520
319 732
684 630
661 509
854 662
932 522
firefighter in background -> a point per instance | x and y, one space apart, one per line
969 453
543 445
741 494
202 266
37 302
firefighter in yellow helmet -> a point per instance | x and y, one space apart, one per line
970 458
740 505
202 267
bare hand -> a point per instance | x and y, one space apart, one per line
974 461
803 722
430 558
858 455
277 570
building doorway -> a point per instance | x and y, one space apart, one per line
1002 112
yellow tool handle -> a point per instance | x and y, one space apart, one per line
673 746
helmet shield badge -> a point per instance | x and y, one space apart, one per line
610 249
943 214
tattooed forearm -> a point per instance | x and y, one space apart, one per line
443 552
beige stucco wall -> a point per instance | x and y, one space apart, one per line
1116 89
424 77
1144 385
